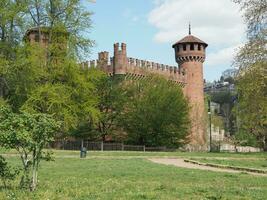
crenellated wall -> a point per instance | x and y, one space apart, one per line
133 67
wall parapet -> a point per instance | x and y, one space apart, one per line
136 67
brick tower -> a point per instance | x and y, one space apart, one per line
190 55
120 60
46 36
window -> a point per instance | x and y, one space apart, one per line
184 47
199 47
191 47
177 48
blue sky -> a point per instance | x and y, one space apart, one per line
150 27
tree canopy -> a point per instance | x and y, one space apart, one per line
251 81
156 113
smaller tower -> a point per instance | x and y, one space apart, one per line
102 61
32 36
190 55
46 36
120 60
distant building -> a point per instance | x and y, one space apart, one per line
229 73
222 84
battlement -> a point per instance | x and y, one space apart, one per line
119 48
121 64
139 66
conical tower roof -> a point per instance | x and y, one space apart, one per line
190 39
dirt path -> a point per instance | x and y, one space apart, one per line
181 163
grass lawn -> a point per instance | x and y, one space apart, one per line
128 175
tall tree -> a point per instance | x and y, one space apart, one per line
69 16
112 97
48 78
156 113
252 62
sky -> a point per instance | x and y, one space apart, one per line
150 27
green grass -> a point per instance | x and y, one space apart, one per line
258 163
123 175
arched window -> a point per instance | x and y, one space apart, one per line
199 47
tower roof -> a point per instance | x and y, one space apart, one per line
190 39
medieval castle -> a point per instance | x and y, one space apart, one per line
189 54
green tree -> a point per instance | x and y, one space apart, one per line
29 135
23 74
49 79
62 16
156 113
251 81
11 26
112 97
252 103
71 101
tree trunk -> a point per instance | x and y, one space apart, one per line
24 182
34 177
34 170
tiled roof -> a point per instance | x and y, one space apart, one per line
190 39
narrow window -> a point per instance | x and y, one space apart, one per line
199 47
177 48
184 47
191 47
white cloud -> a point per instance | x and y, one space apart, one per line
221 57
217 22
218 61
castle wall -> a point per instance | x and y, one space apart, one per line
138 68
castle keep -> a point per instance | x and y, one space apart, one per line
190 56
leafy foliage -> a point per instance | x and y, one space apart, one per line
255 15
29 135
62 16
251 61
156 113
112 97
252 106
